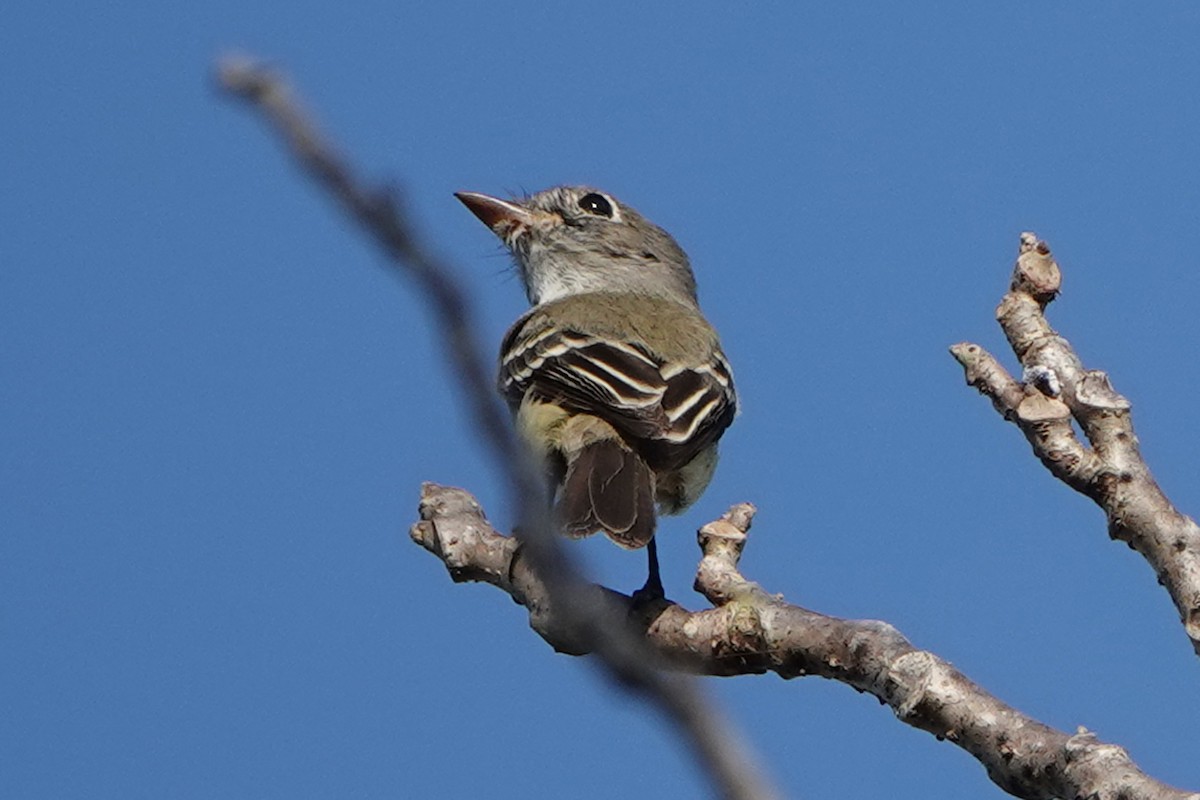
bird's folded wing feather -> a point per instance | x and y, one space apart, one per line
677 409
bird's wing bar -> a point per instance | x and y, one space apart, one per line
700 403
676 410
615 381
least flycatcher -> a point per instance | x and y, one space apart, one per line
614 376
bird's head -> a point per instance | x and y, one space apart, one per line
578 240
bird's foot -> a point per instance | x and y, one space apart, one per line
649 599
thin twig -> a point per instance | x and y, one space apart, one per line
1111 471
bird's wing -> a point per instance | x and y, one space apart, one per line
670 411
700 403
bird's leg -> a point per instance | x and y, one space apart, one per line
653 590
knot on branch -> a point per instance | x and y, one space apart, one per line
722 542
911 678
1042 378
1037 407
454 528
1036 273
1096 391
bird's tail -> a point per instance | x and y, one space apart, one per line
608 488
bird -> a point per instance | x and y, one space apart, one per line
614 377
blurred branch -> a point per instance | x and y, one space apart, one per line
584 615
750 631
1056 388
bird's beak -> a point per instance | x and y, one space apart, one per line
502 216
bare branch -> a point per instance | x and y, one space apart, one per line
1112 471
586 619
750 631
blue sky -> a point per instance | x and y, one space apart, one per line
216 408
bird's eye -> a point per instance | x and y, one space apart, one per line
596 204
